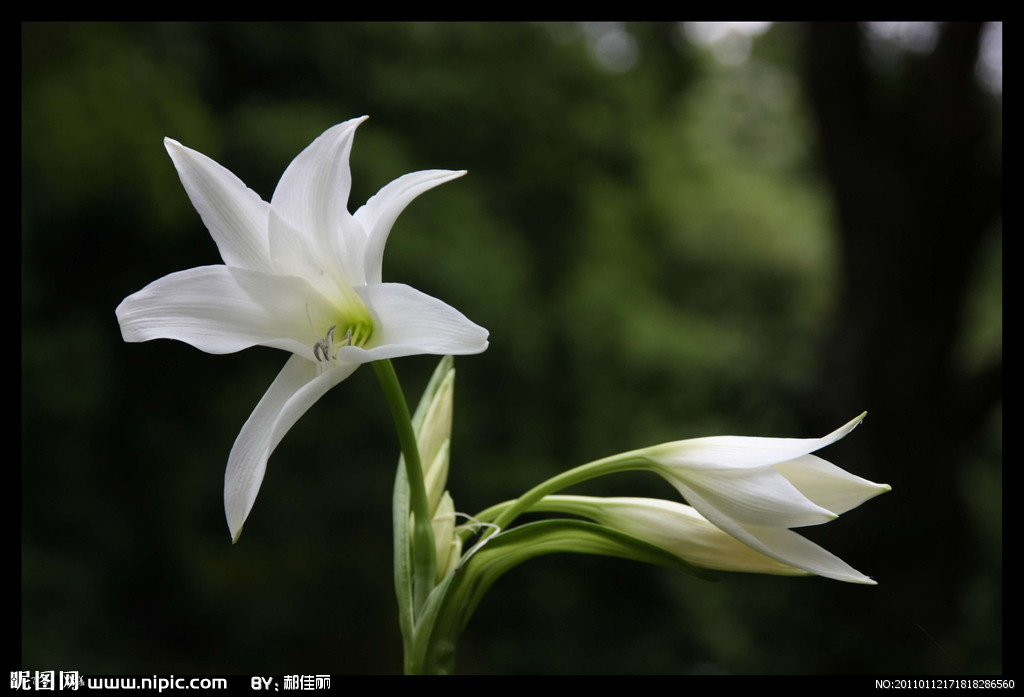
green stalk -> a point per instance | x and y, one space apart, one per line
504 513
423 530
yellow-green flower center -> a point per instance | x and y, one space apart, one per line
353 326
358 333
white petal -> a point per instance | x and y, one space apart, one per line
827 485
313 197
759 496
409 322
293 255
234 214
741 451
296 388
676 527
720 519
222 309
378 215
779 543
791 548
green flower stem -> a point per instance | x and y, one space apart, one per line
504 513
423 530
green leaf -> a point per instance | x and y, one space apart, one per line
403 556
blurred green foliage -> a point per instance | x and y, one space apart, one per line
651 248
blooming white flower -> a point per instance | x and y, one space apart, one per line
301 274
755 489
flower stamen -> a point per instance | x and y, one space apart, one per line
323 350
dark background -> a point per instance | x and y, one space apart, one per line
666 239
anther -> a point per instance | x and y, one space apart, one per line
323 350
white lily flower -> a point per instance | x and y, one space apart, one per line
300 274
755 489
673 526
